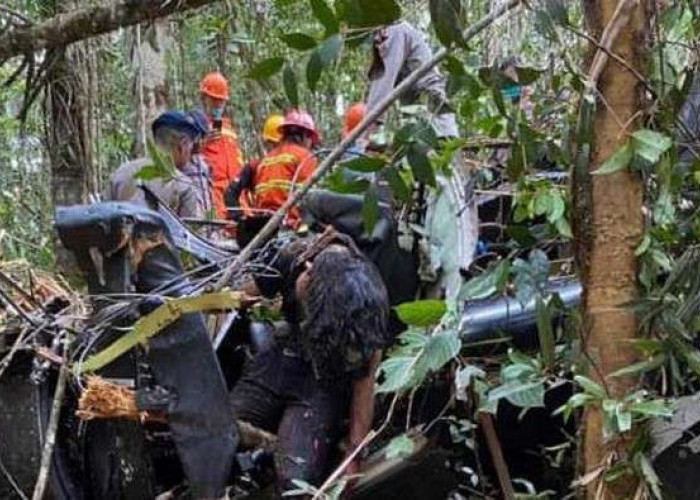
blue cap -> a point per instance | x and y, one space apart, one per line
199 119
181 122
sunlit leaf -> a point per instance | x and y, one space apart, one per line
618 161
521 394
487 283
421 312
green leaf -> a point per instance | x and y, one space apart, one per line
325 15
321 58
650 476
369 13
365 164
337 183
160 168
299 41
641 367
421 167
624 419
485 284
289 81
454 66
657 408
370 208
446 16
399 447
266 68
396 372
563 228
521 394
643 246
650 145
421 312
591 387
527 75
398 185
618 161
557 208
545 332
439 350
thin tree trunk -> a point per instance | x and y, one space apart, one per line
149 46
609 227
68 131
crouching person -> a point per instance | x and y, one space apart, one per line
317 380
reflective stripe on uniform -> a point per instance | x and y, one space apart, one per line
280 158
281 184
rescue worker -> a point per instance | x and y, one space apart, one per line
220 148
239 194
320 370
176 134
398 50
288 164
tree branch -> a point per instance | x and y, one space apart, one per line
70 27
327 164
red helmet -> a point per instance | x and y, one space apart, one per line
301 119
214 85
353 116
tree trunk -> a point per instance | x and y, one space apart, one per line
609 227
149 46
68 131
79 24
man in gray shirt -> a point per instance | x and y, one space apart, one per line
187 191
399 49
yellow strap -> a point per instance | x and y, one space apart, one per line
280 158
153 323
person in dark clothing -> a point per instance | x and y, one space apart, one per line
320 370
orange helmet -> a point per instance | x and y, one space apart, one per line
214 85
353 117
302 119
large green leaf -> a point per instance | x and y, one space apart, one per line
447 16
368 13
590 387
321 58
325 16
421 167
365 164
527 75
337 183
299 41
289 81
266 68
421 312
396 372
440 349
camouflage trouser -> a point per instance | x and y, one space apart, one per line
280 395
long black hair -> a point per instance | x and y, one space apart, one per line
345 313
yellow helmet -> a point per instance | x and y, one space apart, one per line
271 129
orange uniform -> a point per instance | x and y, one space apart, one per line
283 167
225 161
